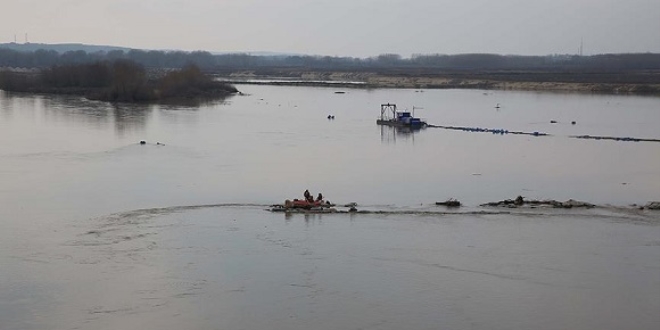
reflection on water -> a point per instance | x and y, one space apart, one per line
390 134
193 103
130 118
76 110
66 163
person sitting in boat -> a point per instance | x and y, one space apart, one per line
319 198
308 196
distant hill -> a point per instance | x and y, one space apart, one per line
259 53
60 48
63 48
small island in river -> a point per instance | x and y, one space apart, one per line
118 81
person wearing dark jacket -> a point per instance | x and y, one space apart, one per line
308 196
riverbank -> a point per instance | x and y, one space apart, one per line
630 83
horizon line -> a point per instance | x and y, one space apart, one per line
285 53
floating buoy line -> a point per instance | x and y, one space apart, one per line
615 138
501 131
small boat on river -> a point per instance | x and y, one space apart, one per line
303 206
390 116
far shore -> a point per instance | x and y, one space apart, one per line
535 81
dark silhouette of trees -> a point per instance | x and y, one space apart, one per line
93 75
121 80
128 83
461 62
11 81
188 82
130 75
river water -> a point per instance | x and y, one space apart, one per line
100 232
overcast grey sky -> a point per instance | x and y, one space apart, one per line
359 28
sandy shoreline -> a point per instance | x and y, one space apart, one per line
437 81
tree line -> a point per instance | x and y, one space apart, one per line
117 81
462 62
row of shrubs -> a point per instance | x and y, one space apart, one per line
117 81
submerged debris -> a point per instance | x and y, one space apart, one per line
450 203
520 202
517 203
652 206
613 138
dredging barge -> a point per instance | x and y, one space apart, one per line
390 116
